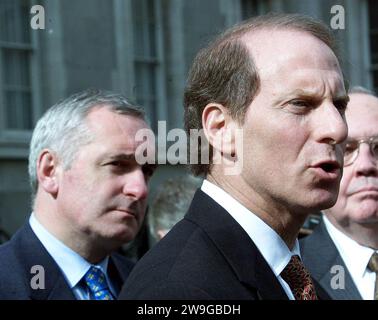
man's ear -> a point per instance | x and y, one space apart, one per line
47 165
219 129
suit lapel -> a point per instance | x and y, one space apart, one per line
321 243
350 292
118 270
32 253
236 246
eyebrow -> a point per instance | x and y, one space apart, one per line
298 93
122 156
117 157
313 96
301 92
345 99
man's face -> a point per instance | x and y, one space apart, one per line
103 193
358 197
295 125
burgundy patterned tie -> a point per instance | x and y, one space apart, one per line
299 280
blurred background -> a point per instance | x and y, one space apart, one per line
142 48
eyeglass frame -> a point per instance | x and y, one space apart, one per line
369 141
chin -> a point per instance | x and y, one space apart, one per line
324 200
120 235
124 237
367 217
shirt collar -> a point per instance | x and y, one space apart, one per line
349 249
73 266
271 246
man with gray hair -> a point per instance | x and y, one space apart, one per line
342 252
88 196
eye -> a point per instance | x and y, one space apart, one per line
118 166
116 163
300 103
350 147
148 170
301 106
374 146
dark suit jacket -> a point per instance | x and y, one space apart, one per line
23 251
319 255
207 255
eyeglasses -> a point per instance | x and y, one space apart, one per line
353 148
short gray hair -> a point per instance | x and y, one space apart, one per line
62 128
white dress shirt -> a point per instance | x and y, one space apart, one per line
72 265
356 258
269 243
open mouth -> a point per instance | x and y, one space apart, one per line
330 167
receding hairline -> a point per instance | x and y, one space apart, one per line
117 109
93 114
254 37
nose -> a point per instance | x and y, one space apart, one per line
365 164
135 185
331 125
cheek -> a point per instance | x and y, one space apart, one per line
274 144
344 203
281 145
142 211
82 189
344 185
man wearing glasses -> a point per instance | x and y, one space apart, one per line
342 251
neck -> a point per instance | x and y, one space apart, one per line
90 249
285 222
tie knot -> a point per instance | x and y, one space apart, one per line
299 279
97 284
373 262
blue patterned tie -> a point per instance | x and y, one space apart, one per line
96 282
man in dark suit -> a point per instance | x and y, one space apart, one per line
341 253
269 98
89 197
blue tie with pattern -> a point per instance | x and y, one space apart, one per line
97 284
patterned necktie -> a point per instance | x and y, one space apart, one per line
299 280
373 266
97 284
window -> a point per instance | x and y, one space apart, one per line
148 57
250 8
15 66
373 34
